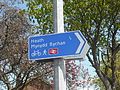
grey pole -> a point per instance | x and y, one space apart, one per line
59 64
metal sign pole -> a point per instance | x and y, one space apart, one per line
59 64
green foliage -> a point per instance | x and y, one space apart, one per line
99 83
99 22
40 13
16 71
109 72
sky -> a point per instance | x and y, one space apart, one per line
85 62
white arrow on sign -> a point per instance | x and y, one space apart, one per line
84 50
81 42
66 44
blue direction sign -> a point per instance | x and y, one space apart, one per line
55 45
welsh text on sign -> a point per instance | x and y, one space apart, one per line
56 45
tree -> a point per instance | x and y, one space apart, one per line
99 22
15 68
41 12
78 76
99 82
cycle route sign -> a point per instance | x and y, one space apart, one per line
58 45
